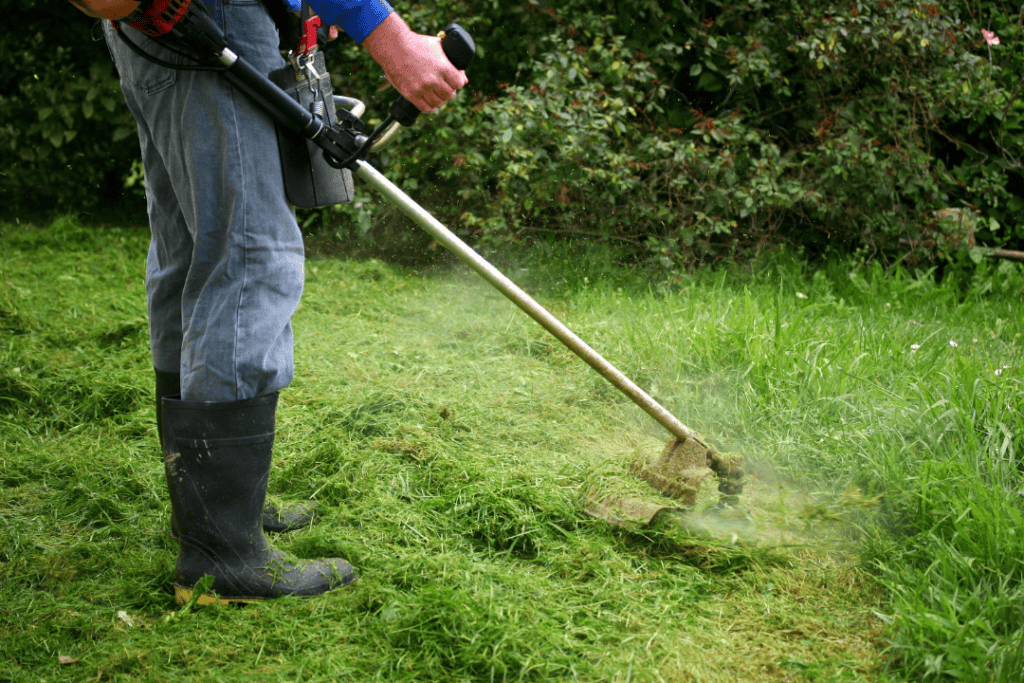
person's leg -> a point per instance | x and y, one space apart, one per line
154 95
225 269
224 277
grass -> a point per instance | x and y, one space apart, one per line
449 442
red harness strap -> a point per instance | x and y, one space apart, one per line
156 18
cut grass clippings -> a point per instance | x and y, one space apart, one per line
450 441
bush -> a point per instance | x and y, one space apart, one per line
679 133
67 140
701 132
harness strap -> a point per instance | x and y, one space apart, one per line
286 28
156 18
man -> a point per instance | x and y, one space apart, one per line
225 273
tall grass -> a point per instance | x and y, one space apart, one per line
448 440
906 390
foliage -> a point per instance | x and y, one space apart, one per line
985 148
67 140
681 133
809 123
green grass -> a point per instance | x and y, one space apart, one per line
449 441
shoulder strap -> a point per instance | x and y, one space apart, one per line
287 28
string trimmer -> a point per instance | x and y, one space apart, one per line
300 101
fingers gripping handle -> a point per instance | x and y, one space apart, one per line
459 48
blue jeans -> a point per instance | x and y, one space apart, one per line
225 267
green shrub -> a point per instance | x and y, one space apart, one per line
67 139
696 133
680 133
985 148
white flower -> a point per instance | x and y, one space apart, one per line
953 343
801 295
914 348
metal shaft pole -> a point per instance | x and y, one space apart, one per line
521 299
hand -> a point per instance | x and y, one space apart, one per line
415 64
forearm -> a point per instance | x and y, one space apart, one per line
106 9
389 42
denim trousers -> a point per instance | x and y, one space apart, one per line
224 272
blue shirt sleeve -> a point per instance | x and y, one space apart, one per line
357 18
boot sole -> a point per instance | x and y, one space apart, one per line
183 594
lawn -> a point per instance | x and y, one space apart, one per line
451 444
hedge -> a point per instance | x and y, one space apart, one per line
679 133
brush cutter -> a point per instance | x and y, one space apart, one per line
330 125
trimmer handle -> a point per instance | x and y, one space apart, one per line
459 48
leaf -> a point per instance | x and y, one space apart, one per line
709 82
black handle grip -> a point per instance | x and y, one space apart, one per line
459 48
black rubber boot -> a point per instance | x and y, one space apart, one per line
295 516
217 464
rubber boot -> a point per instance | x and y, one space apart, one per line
295 516
217 465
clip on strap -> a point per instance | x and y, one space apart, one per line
308 40
310 24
